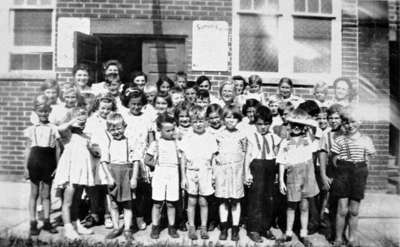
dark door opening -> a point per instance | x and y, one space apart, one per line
152 55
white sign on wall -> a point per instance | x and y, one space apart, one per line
210 46
65 38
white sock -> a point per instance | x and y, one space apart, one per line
303 232
289 233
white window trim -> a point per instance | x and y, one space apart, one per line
285 25
32 49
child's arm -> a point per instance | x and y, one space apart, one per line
282 185
323 158
151 155
134 174
334 159
27 152
183 171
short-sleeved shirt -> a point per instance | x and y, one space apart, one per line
327 140
42 135
166 152
118 151
137 130
198 148
353 148
292 151
256 145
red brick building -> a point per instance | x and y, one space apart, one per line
307 40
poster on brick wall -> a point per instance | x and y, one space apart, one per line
210 46
65 38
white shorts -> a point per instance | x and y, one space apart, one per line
165 184
199 182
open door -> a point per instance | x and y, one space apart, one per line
87 49
162 57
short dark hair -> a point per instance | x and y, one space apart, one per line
181 74
335 108
203 94
311 107
164 118
136 74
134 94
250 103
234 110
285 80
201 79
162 79
191 84
214 108
166 98
263 113
255 79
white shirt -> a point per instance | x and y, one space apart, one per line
256 141
294 151
167 151
42 135
198 148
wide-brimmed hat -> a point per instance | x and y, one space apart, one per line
301 117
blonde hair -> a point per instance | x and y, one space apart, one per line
41 102
148 88
113 119
227 83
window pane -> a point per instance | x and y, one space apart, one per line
312 45
257 46
16 61
326 6
300 5
32 28
245 4
273 5
47 61
313 6
259 4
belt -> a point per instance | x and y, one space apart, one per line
345 163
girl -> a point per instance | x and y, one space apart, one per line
255 92
231 171
182 120
248 110
80 73
285 93
240 86
112 71
139 129
344 92
321 94
164 84
296 156
51 90
162 104
203 82
96 129
71 98
75 171
227 94
139 79
118 156
42 154
190 92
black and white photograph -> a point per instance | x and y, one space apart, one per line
200 123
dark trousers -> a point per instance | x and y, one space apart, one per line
97 196
213 209
143 203
180 207
260 195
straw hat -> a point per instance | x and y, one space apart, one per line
301 117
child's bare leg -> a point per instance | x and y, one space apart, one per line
171 213
236 213
45 195
192 201
341 218
114 212
66 207
127 218
155 213
290 218
203 210
304 217
33 200
353 220
223 212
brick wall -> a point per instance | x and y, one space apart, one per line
16 97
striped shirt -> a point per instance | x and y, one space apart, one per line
354 148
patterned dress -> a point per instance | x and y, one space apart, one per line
229 170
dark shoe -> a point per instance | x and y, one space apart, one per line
255 236
34 230
128 234
203 232
114 233
192 233
224 231
155 232
47 226
91 221
286 238
235 233
269 235
211 226
182 227
172 232
312 230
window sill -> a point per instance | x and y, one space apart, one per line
28 75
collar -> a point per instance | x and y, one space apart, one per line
355 136
40 123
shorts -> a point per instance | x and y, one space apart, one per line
350 180
165 184
41 164
301 182
199 182
122 174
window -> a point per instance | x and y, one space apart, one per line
32 35
292 38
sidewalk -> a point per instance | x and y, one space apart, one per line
379 219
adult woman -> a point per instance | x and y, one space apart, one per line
81 78
285 93
343 90
112 70
227 94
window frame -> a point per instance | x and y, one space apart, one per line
286 15
16 50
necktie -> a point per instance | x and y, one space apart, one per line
265 148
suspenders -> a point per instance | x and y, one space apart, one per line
36 140
109 146
265 145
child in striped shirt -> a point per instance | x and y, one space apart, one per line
351 153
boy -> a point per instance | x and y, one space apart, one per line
203 98
262 148
177 96
190 92
163 156
350 155
180 79
199 147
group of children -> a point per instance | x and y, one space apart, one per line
236 160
